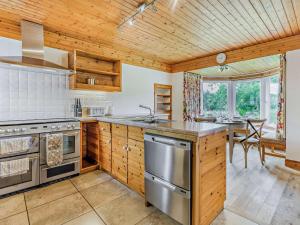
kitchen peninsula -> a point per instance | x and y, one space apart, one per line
121 154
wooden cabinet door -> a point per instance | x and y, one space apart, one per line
105 145
136 165
105 152
119 158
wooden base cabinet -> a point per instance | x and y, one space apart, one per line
105 146
119 152
136 166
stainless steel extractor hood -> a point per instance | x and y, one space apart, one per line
32 49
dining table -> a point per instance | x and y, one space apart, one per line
232 125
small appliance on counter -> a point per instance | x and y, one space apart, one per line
93 111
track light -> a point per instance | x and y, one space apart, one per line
141 8
131 21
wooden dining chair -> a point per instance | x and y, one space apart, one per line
252 137
205 119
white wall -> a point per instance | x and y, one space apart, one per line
177 106
293 105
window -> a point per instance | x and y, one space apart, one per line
257 98
247 98
272 99
215 98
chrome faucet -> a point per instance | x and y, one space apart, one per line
147 107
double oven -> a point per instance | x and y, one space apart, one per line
71 157
38 171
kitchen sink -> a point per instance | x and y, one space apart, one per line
149 121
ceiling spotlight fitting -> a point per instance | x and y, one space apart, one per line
141 8
131 21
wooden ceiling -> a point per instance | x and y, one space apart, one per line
175 33
250 68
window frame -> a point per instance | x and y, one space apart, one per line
265 99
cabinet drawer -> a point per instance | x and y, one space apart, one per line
119 130
136 133
104 127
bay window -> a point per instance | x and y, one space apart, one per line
256 98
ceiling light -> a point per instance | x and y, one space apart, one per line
131 21
142 7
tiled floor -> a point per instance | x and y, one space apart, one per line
266 195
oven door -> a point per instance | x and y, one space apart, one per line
21 181
33 146
67 168
71 145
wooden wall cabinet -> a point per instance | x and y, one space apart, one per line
106 72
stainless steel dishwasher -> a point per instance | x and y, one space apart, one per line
168 176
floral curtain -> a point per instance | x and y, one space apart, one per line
192 96
280 132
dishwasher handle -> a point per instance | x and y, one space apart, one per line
186 145
171 187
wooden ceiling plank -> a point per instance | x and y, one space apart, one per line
184 20
289 9
212 8
255 51
260 11
273 17
234 17
206 15
296 6
170 28
277 5
200 18
234 5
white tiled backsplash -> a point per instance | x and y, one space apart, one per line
33 94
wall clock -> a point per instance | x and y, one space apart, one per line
221 58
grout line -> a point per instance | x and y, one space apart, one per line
26 209
88 204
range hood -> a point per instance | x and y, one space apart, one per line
32 49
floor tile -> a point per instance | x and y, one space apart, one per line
49 193
19 219
90 218
158 218
104 193
228 218
90 179
59 211
126 210
12 205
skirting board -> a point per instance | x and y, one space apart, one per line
292 164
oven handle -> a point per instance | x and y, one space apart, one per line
62 164
70 134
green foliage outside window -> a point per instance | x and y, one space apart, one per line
215 98
248 99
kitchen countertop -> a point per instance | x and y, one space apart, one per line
183 127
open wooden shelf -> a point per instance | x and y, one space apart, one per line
163 99
89 153
105 72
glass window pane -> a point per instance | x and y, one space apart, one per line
215 98
247 95
274 90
